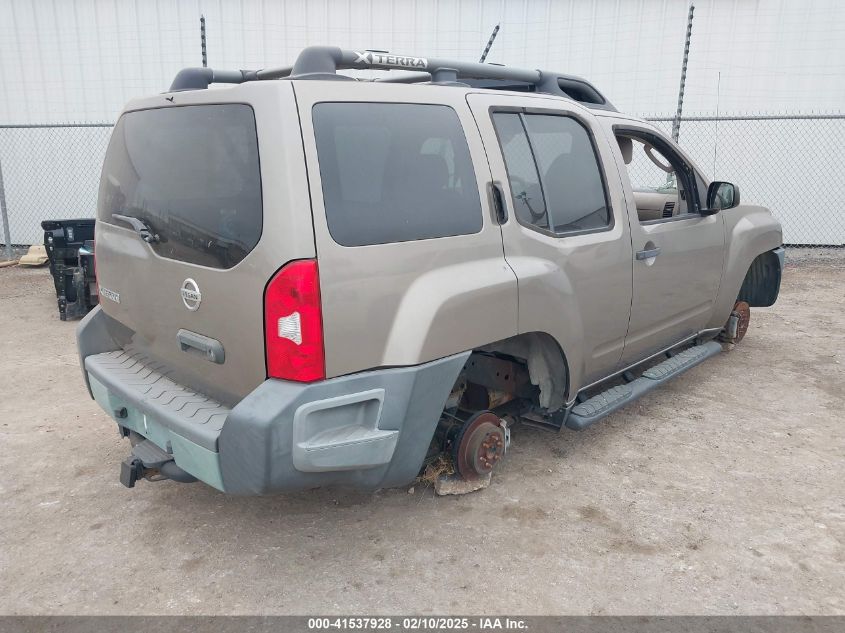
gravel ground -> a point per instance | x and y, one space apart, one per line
721 493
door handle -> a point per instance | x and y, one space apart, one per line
649 253
208 348
498 203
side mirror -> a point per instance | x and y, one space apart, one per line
720 196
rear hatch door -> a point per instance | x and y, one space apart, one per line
218 190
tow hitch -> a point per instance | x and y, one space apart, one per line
131 470
149 462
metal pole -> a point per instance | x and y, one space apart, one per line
676 124
7 235
489 44
202 42
716 135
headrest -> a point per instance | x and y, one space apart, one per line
431 172
627 147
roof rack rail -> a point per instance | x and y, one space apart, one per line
323 62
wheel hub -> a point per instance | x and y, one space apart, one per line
480 445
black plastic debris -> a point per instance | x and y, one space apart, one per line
70 249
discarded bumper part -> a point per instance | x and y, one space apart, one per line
36 255
69 244
603 404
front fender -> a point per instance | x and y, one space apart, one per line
751 230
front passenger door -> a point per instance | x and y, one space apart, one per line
678 253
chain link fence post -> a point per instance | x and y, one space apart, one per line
7 234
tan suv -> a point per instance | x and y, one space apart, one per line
308 279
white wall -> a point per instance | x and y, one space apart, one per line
80 61
63 60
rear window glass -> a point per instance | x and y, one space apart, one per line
191 174
394 172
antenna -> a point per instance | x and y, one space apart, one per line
489 44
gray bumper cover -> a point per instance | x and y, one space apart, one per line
368 430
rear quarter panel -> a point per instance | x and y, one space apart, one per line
410 302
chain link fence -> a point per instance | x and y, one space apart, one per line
793 164
48 172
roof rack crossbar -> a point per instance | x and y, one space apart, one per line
201 78
323 62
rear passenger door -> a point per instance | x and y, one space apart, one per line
567 236
409 253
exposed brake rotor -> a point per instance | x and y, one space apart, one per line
742 311
479 445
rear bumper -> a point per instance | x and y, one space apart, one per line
368 430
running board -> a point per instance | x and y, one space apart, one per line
603 404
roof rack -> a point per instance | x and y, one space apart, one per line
323 62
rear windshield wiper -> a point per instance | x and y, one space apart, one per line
141 227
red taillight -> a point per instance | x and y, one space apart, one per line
293 323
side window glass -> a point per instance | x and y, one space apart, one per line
649 169
570 173
553 172
659 193
529 204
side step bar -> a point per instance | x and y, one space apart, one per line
603 404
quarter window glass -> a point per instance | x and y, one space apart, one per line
553 171
394 172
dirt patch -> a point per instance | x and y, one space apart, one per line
718 494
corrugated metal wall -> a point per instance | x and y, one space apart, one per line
82 60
